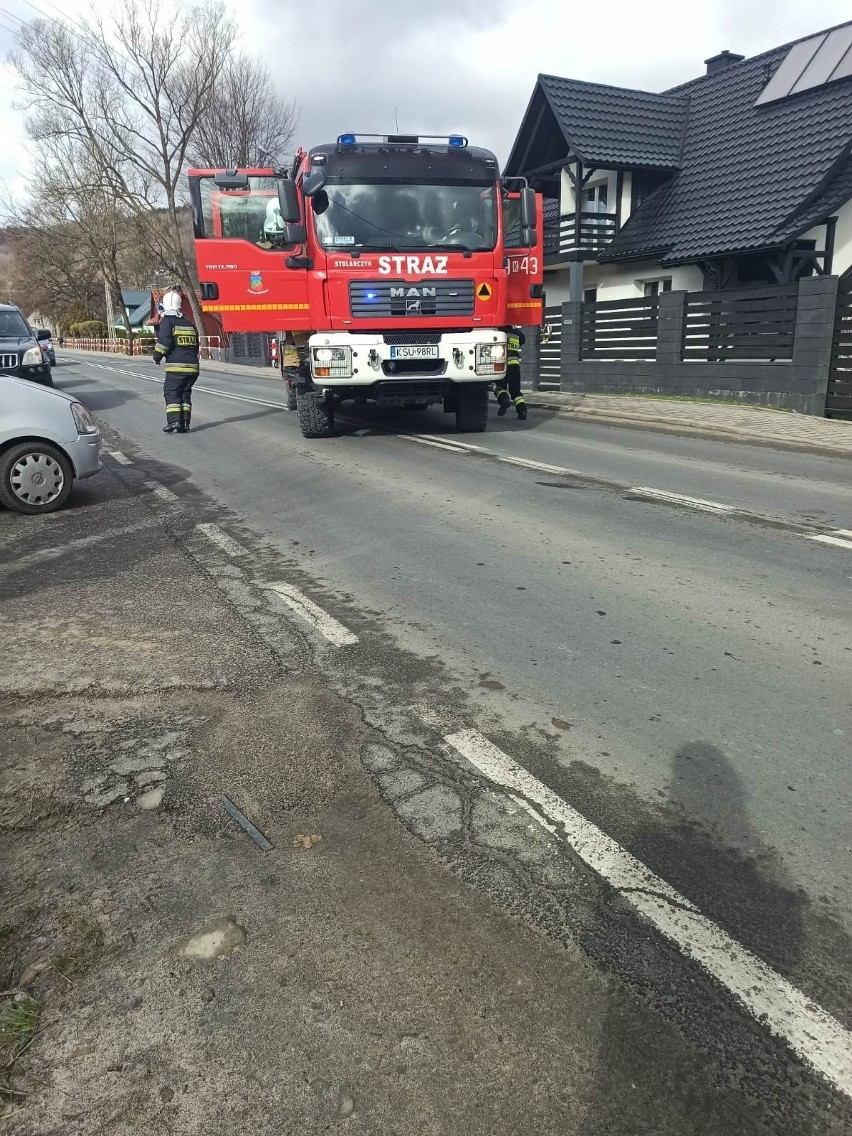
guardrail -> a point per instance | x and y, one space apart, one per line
142 345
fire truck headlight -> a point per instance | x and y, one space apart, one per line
490 359
332 362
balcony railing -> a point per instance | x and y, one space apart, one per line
591 232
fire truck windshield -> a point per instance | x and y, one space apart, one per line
376 215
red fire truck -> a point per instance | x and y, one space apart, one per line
396 262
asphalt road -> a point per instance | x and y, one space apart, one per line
681 677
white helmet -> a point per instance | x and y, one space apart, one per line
172 304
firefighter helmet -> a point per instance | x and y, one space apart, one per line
172 303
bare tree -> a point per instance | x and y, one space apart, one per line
130 95
247 123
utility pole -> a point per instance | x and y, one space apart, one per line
110 314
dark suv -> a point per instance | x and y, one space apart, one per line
20 353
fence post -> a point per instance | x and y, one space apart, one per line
569 353
530 358
814 335
671 315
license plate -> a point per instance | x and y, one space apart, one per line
415 351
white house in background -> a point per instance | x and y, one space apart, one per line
740 177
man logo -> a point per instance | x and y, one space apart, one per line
412 306
424 291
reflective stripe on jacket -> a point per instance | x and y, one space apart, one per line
177 343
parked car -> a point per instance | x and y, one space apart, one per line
45 342
47 439
20 353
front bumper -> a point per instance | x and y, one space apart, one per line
36 374
85 454
372 362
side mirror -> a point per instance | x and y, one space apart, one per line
231 179
42 334
288 200
528 210
313 183
293 235
529 236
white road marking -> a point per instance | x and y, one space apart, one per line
838 541
433 442
160 491
808 1030
326 624
121 458
450 442
681 499
221 538
541 467
843 532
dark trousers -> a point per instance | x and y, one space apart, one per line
510 384
177 391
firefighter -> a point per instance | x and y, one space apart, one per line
177 343
295 366
508 387
273 352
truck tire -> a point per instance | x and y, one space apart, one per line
316 418
291 396
472 408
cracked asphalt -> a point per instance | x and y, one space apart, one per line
437 961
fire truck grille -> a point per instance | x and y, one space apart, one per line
397 337
8 362
380 299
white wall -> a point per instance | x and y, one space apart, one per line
622 281
842 239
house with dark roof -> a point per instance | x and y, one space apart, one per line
138 307
740 177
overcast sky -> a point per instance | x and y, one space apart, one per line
464 66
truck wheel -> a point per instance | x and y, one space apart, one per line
472 408
316 418
291 396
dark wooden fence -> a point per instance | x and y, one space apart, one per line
767 346
619 329
754 323
839 398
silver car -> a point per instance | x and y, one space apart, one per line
47 439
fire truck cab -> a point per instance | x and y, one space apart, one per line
395 263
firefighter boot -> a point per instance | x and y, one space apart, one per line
504 402
173 418
185 417
521 407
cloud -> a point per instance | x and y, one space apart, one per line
467 66
470 66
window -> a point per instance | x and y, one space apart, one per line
399 216
243 214
13 326
595 198
590 295
655 287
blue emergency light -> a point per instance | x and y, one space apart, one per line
457 141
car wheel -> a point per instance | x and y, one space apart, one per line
35 477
